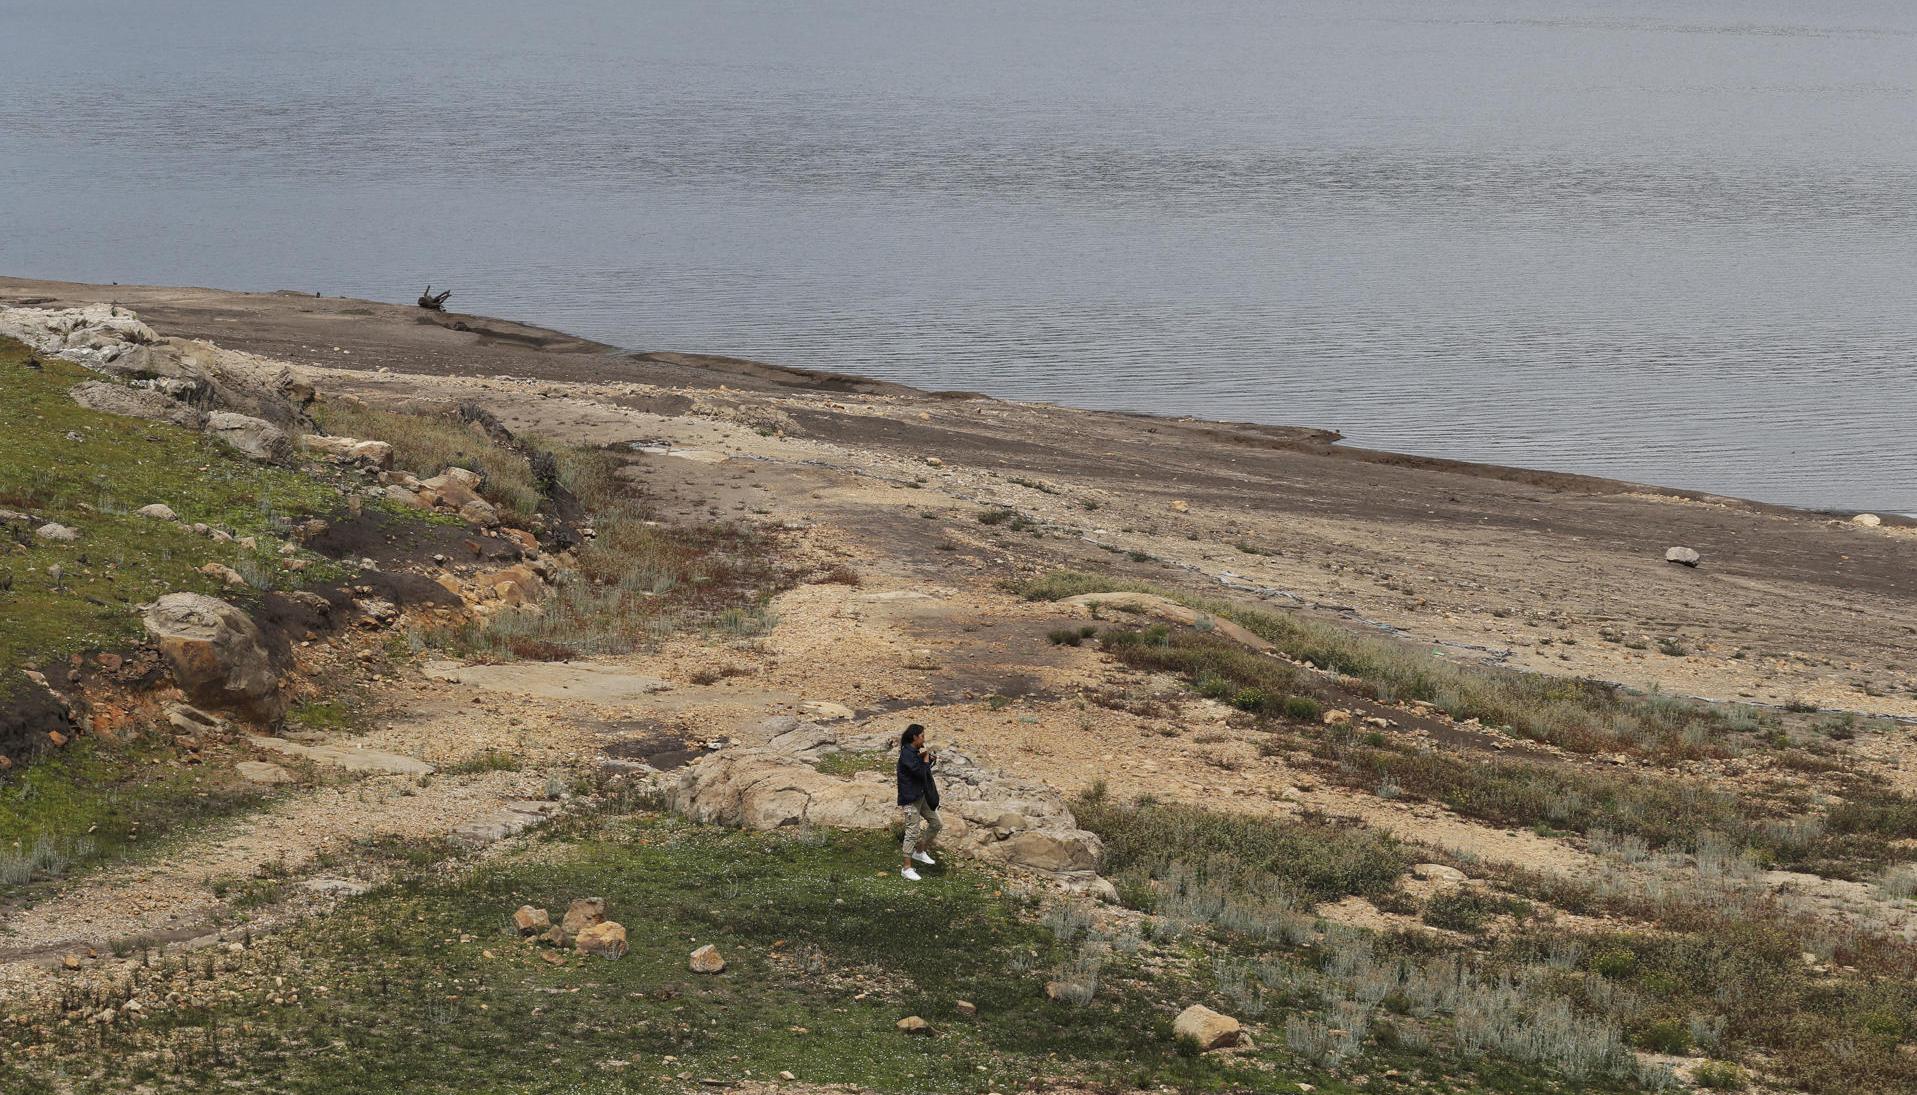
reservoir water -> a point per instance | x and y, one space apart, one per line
1673 241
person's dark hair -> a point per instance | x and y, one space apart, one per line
911 732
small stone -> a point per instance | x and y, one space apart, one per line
787 1076
966 1008
158 511
71 961
934 462
912 1024
532 921
1867 520
1682 556
56 533
1180 506
707 959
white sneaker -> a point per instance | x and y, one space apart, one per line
909 875
925 859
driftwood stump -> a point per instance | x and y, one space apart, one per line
432 301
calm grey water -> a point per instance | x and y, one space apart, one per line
1673 241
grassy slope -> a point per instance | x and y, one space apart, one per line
93 485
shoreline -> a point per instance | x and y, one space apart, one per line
706 370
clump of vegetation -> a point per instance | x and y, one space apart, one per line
1011 519
1070 636
427 445
1470 908
1310 860
846 763
636 583
95 803
1581 715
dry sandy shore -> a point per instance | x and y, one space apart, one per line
1520 565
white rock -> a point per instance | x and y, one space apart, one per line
1867 520
159 511
1683 556
57 533
1436 872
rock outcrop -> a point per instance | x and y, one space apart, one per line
996 817
109 398
218 657
169 379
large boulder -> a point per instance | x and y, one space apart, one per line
109 398
218 657
192 376
758 789
1207 1029
256 437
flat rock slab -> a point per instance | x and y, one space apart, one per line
348 757
512 819
263 771
587 681
340 887
697 456
888 595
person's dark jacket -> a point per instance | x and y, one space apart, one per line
915 779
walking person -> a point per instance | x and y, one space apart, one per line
918 800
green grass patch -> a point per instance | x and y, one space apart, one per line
807 927
96 802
